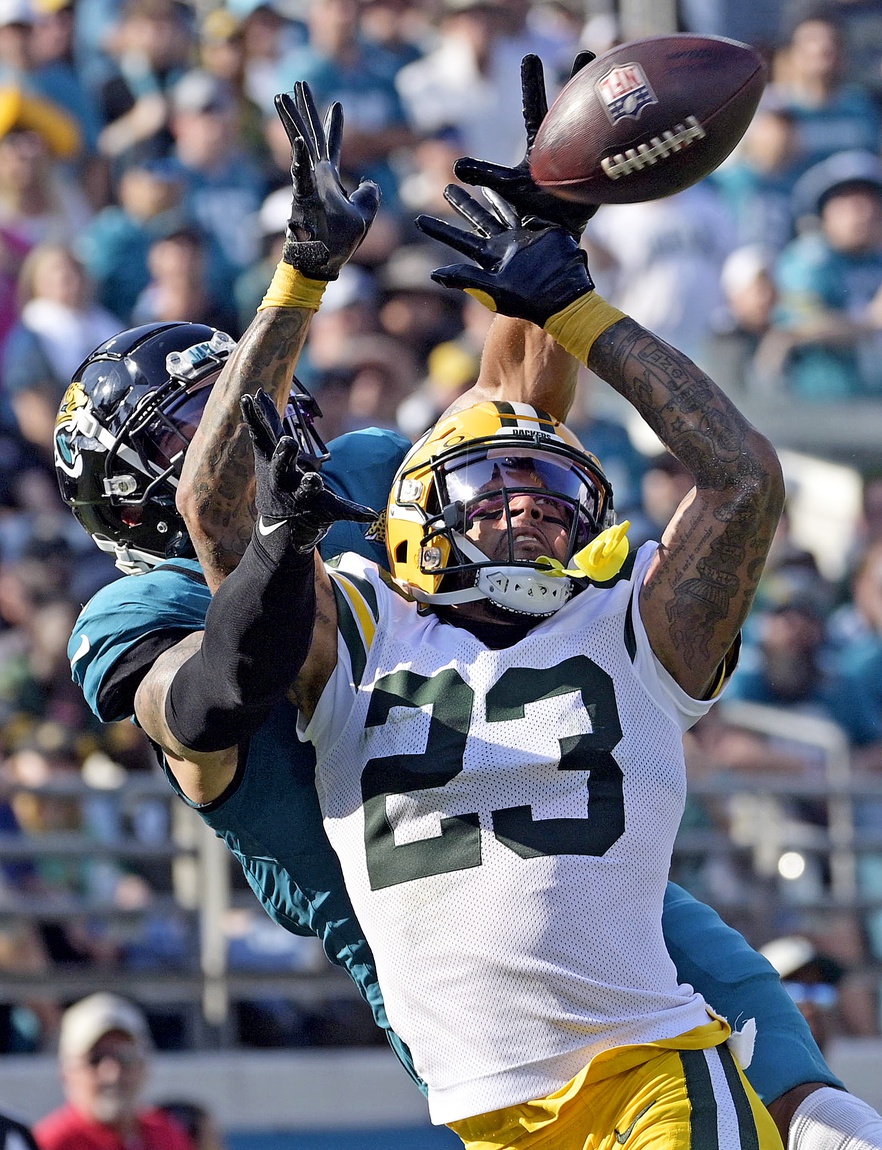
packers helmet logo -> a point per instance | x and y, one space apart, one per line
67 458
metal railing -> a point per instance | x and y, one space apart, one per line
201 888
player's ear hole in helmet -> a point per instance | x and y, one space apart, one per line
124 426
482 463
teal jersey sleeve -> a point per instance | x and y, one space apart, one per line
125 613
173 597
740 984
362 467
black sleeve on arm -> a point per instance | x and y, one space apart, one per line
258 631
116 695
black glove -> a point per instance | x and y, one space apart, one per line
516 184
286 492
529 272
326 225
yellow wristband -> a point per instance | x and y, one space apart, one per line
291 288
579 324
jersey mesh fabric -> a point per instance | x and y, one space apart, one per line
509 900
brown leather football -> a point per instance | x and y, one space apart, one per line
648 118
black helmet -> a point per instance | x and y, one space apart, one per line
124 425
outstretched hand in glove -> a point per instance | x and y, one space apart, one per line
288 493
527 270
516 184
326 225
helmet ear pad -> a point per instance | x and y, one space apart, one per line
429 552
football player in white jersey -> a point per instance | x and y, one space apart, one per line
525 834
499 748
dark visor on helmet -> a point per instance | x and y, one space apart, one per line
482 485
163 440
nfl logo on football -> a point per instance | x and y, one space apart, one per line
624 92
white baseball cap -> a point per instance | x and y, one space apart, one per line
87 1021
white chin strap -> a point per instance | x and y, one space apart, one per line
523 590
127 559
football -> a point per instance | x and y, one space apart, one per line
648 119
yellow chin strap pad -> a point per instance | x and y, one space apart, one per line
599 561
579 324
291 288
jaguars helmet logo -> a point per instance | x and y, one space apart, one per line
376 531
67 458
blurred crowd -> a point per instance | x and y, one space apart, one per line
144 175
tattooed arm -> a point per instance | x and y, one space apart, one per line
521 363
702 582
325 229
216 489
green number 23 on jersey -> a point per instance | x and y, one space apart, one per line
459 844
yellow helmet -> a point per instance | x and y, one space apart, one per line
466 467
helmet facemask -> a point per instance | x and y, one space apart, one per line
498 507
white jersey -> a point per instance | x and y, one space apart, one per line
505 821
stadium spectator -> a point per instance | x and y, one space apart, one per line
222 54
38 200
394 32
114 246
860 28
251 284
830 115
180 284
787 666
412 307
270 32
830 282
222 183
351 314
104 1050
57 75
757 182
661 262
664 485
461 87
452 370
59 89
744 351
382 371
59 324
338 65
151 45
